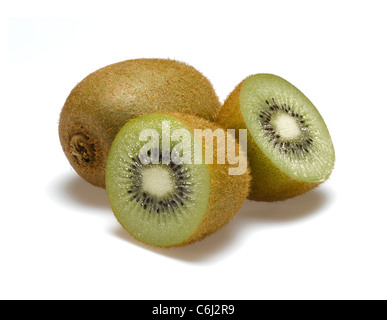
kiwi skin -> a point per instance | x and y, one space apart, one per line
268 182
227 192
104 101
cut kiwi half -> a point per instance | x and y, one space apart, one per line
163 198
290 150
104 101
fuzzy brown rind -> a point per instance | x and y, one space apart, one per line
99 106
227 192
268 182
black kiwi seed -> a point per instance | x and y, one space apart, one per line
153 204
304 143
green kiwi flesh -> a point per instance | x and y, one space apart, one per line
290 150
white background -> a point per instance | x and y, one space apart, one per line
58 236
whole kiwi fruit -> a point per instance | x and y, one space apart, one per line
99 106
289 147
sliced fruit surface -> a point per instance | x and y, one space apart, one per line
287 128
160 204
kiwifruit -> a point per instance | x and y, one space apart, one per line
104 101
167 202
289 147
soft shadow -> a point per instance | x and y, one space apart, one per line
207 249
252 214
75 190
290 210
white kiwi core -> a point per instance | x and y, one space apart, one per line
157 181
286 126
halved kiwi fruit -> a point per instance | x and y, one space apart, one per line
166 200
104 101
289 147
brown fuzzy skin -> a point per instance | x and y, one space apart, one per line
228 192
268 182
104 101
